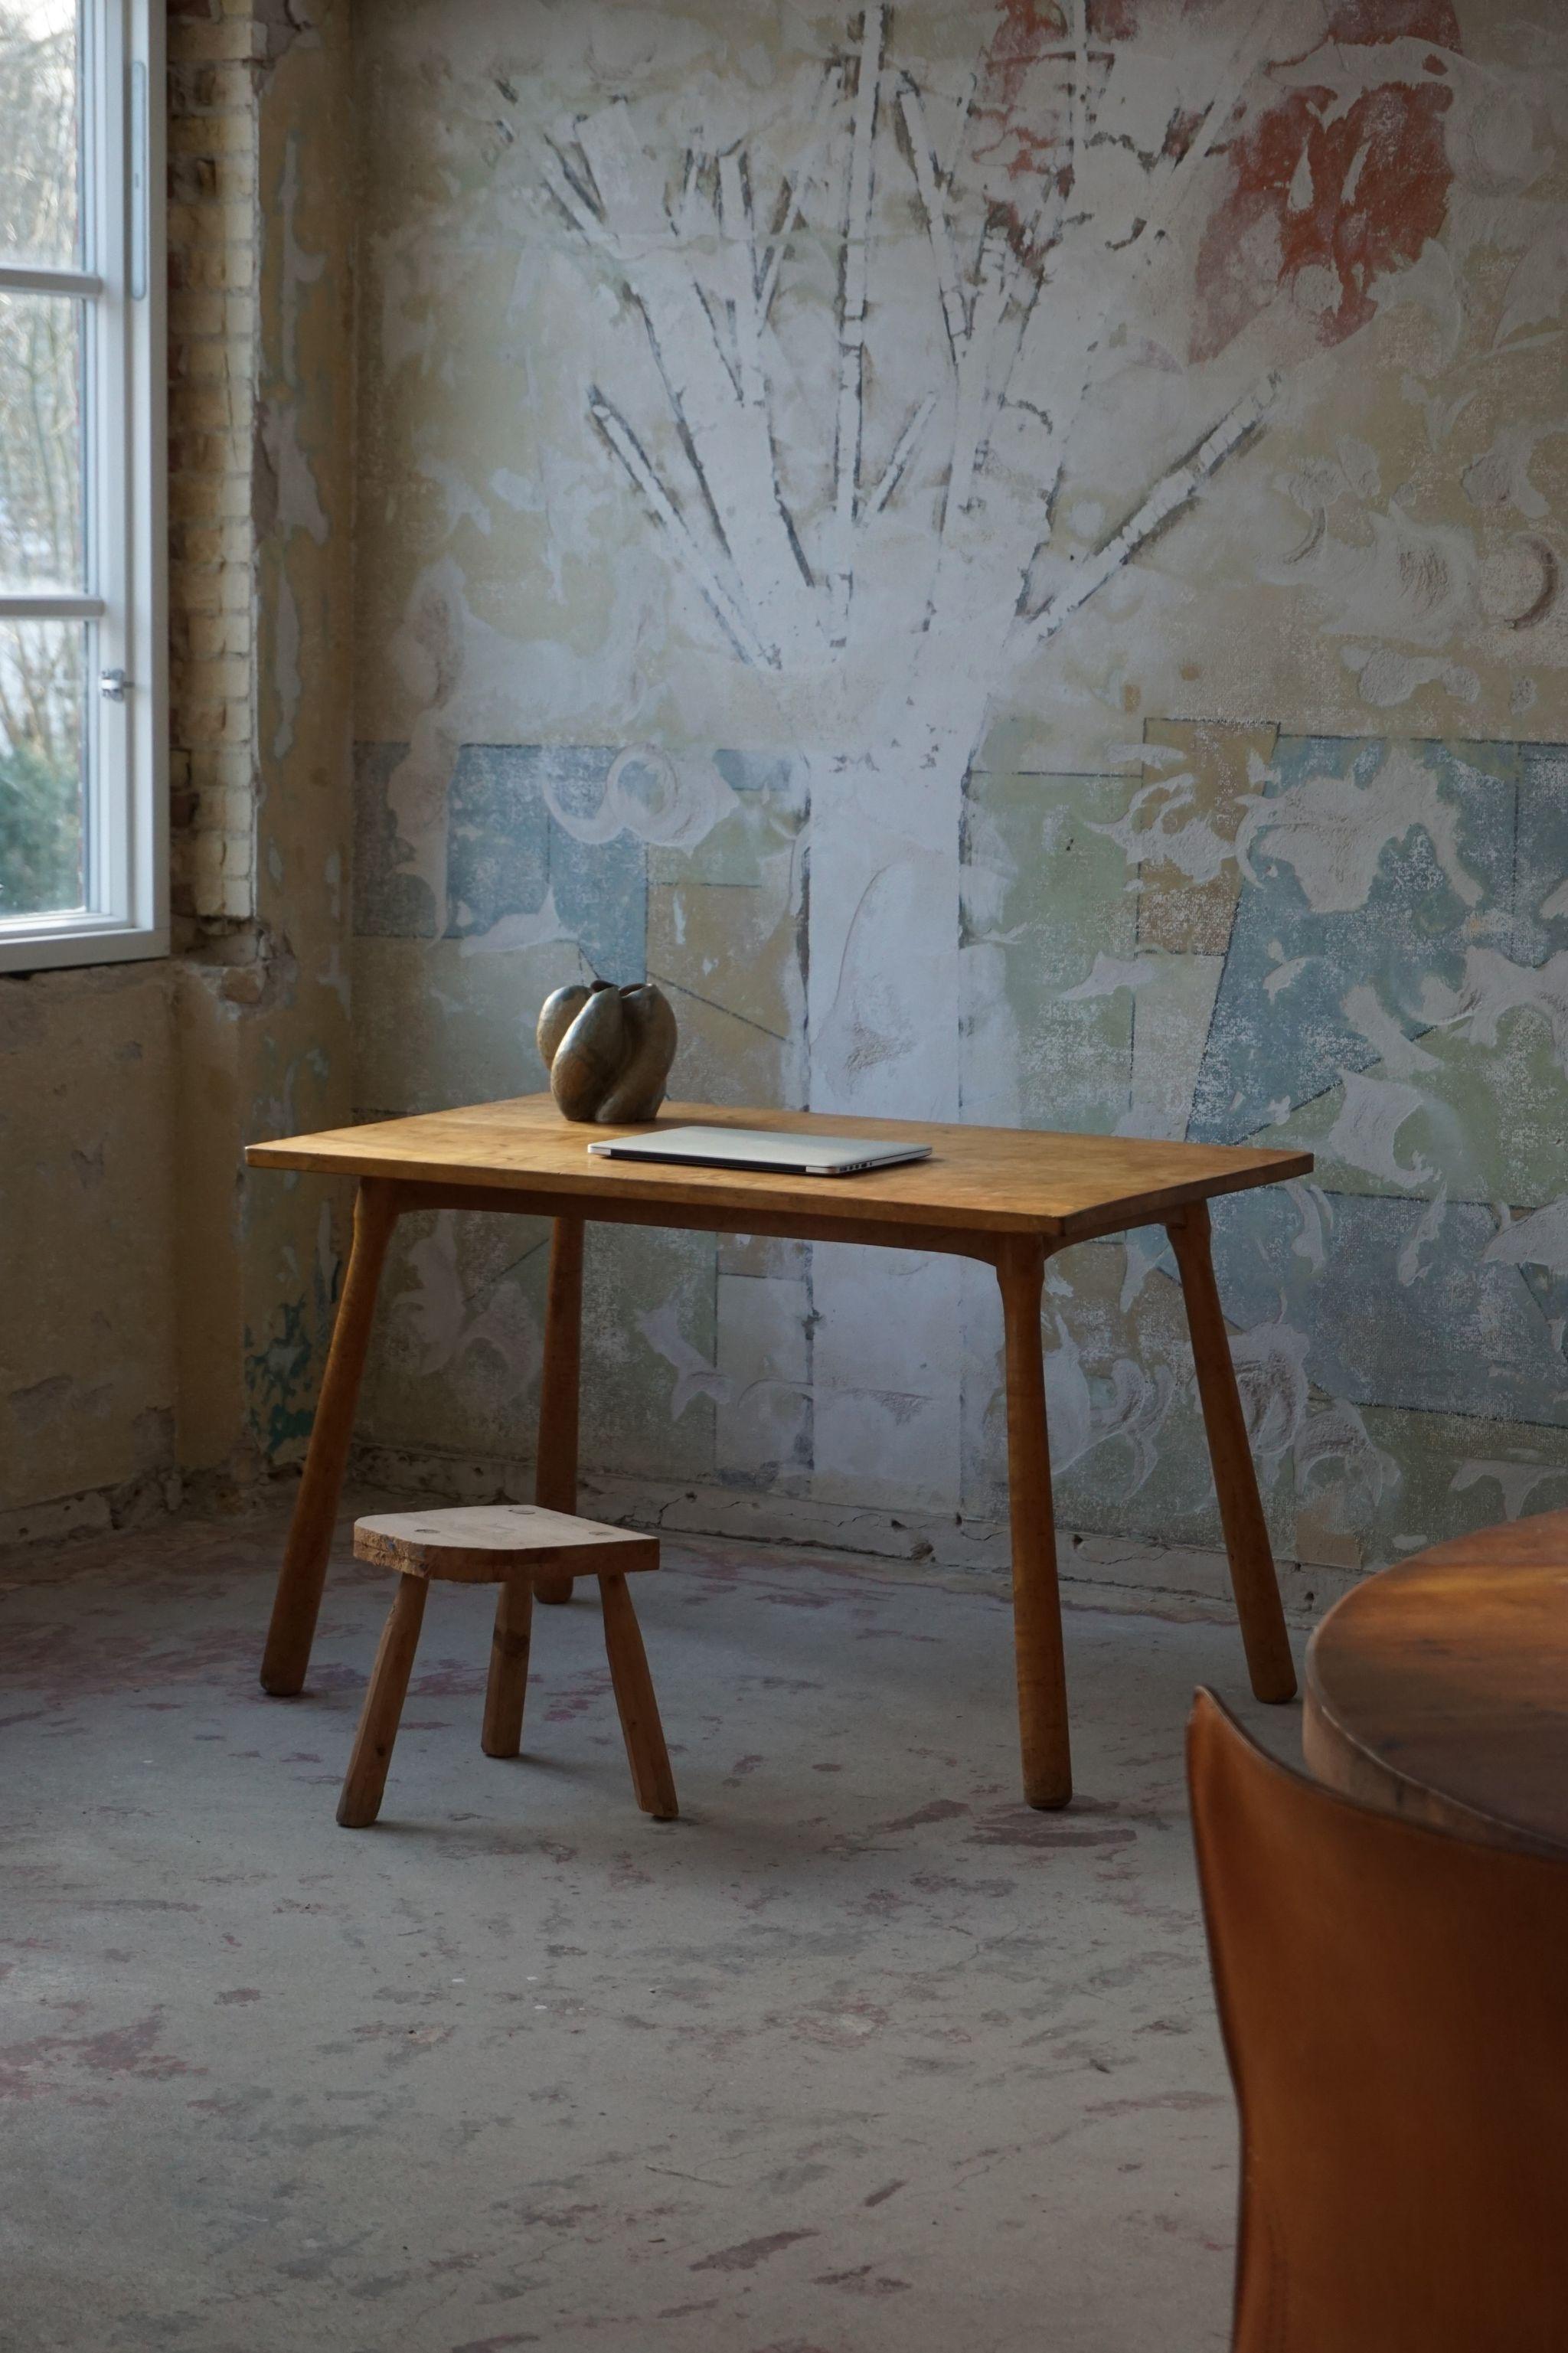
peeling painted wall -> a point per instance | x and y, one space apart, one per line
88 1366
164 1315
263 553
294 1037
1010 557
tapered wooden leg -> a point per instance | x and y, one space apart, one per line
1037 1606
508 1686
646 1752
388 1688
1252 1576
299 1597
555 1476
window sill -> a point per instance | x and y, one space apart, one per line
52 942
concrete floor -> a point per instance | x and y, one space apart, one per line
860 2056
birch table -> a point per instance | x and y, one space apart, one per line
1005 1196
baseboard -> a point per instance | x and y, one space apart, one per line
1116 1572
95 1511
227 1491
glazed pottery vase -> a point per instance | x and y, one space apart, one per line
607 1050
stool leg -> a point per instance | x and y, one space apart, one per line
644 1734
366 1776
508 1686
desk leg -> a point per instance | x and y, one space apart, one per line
1037 1606
556 1475
287 1657
1252 1577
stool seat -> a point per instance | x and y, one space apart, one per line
506 1545
480 1543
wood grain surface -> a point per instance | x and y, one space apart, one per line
1006 1196
480 1543
1439 1690
979 1180
364 1785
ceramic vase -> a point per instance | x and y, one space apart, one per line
607 1050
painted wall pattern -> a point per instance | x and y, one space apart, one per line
1010 558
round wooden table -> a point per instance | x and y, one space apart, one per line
1440 1689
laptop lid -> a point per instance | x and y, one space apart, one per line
762 1148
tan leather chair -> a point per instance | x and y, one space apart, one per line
1395 2007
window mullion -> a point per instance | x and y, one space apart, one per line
27 278
43 606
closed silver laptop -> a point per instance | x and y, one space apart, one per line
764 1149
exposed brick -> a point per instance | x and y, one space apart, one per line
210 269
230 38
200 408
215 51
193 498
205 88
194 314
195 545
205 361
210 133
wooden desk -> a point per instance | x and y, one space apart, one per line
1007 1197
1440 1689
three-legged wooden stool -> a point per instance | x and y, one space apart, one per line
508 1544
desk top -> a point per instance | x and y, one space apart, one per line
1440 1689
997 1180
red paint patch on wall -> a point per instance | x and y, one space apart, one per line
1356 197
1026 29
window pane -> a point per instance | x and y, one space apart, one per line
40 85
42 672
40 441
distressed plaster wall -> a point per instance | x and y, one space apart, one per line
88 1366
161 1316
1010 558
266 1046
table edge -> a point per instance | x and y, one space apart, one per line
839 1200
1370 1778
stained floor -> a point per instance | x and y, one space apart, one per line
859 2056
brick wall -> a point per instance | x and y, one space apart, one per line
218 54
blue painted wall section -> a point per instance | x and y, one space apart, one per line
1358 955
1359 961
507 852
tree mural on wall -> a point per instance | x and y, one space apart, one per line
1068 502
1276 162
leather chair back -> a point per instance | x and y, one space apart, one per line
1394 2006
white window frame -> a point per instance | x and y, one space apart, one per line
125 447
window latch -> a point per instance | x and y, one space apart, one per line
112 685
